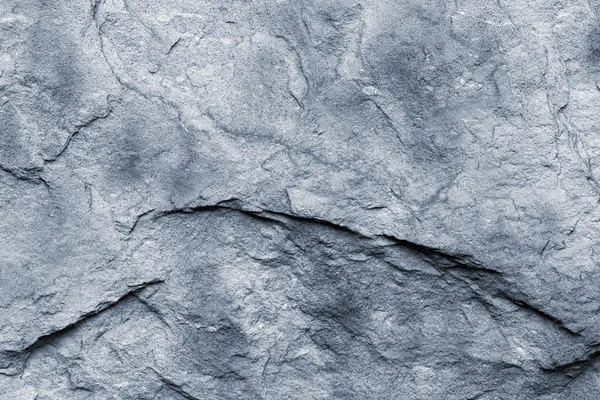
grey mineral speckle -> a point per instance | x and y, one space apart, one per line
299 199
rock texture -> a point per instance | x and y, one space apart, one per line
305 199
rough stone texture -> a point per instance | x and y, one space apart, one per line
299 199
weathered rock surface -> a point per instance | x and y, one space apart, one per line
299 199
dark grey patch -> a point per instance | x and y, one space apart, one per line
594 47
13 152
54 62
128 157
404 68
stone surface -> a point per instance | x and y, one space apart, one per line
299 199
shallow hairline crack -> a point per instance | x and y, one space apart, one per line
25 175
77 129
34 175
151 308
173 386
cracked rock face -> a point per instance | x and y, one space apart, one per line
299 199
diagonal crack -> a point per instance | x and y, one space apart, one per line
173 386
438 257
23 353
104 306
151 308
540 313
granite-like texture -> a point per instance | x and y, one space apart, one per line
296 199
